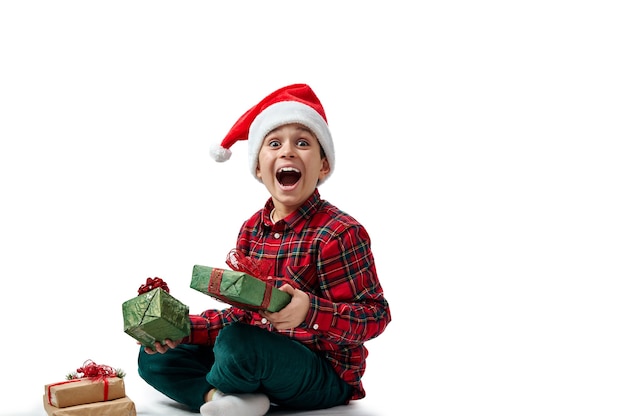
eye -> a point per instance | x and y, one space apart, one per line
273 143
302 143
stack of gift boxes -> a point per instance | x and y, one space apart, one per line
93 390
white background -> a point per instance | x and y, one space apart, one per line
480 143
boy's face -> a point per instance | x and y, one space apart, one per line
290 165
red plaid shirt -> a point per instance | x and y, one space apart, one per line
326 253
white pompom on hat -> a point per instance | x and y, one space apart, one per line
296 103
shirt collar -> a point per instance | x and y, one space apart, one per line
297 219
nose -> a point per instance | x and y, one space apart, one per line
286 149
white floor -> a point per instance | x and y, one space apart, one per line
149 402
152 403
23 392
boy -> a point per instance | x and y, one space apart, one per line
310 354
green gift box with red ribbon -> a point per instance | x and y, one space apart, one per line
155 315
238 289
248 285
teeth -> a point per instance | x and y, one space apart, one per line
289 170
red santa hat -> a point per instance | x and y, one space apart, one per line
295 103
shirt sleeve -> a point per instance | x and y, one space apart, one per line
206 326
351 308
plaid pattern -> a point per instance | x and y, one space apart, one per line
326 253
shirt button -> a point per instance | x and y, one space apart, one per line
315 326
264 321
276 235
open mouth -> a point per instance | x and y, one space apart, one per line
288 176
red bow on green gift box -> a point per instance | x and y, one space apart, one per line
153 283
257 268
242 263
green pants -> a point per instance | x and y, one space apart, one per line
246 359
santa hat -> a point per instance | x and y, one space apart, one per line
295 103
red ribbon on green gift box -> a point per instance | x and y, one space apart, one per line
216 281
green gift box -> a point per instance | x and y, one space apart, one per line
155 316
238 289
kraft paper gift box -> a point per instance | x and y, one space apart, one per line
155 316
238 289
118 407
84 390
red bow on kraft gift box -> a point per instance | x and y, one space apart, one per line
89 384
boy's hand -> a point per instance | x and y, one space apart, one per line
294 313
162 348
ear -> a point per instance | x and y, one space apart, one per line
324 170
258 171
